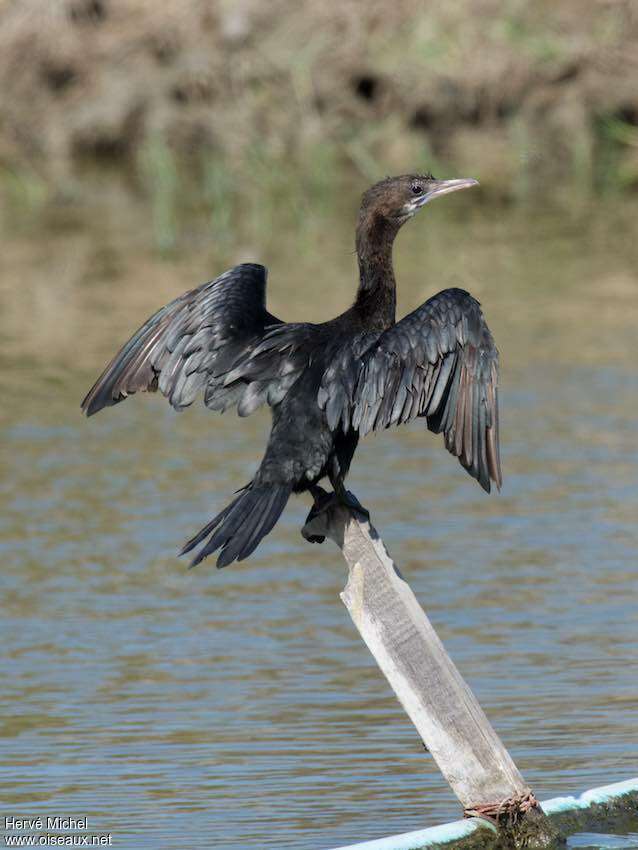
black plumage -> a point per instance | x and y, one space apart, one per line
327 384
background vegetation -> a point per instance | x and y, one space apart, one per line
212 104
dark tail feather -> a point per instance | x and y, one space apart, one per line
238 529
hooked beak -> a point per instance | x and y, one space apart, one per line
444 187
437 188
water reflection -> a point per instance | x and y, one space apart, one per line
240 707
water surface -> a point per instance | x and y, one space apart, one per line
240 708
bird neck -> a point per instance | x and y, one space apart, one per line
376 296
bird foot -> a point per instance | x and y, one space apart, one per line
324 503
348 499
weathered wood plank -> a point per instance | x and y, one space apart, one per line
401 638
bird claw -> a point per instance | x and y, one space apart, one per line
324 503
313 538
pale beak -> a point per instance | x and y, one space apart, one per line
444 187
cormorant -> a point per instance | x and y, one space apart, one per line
327 384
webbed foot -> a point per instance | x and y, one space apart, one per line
347 498
324 502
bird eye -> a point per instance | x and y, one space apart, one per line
417 188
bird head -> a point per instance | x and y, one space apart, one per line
397 199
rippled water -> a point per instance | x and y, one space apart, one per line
240 708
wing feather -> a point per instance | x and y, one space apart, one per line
194 343
439 362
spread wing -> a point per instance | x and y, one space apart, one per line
439 362
193 344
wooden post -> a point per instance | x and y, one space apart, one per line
444 710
